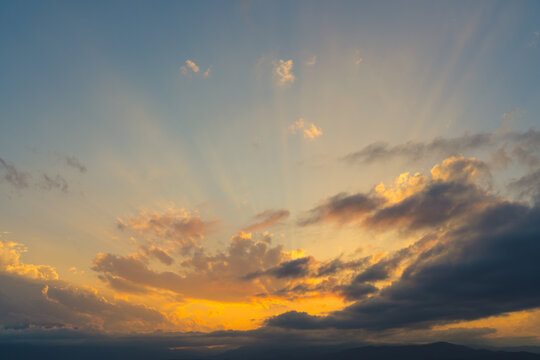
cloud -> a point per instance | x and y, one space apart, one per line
32 297
10 254
176 227
22 180
310 130
283 71
75 163
312 61
54 183
524 147
157 253
413 202
189 67
287 269
13 176
414 151
204 276
267 219
533 43
527 185
206 74
478 259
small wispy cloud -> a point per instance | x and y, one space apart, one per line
312 61
535 39
75 163
283 71
189 67
206 74
310 130
358 59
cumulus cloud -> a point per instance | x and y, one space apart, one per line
478 259
249 268
32 297
206 276
267 219
10 254
413 201
310 130
283 72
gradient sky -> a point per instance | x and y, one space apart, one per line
301 166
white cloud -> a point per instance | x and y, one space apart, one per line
283 70
310 130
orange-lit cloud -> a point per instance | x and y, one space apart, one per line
310 130
283 71
190 66
267 219
175 227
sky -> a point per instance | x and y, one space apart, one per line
261 169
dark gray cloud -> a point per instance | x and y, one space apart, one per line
524 148
21 180
288 269
414 151
484 267
342 208
31 303
449 194
437 203
527 186
75 163
53 183
13 176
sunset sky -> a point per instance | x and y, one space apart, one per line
315 169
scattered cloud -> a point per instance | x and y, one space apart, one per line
206 74
283 71
176 228
22 180
267 219
533 43
53 183
75 163
413 201
32 297
358 60
312 61
458 270
524 146
310 130
13 176
189 67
